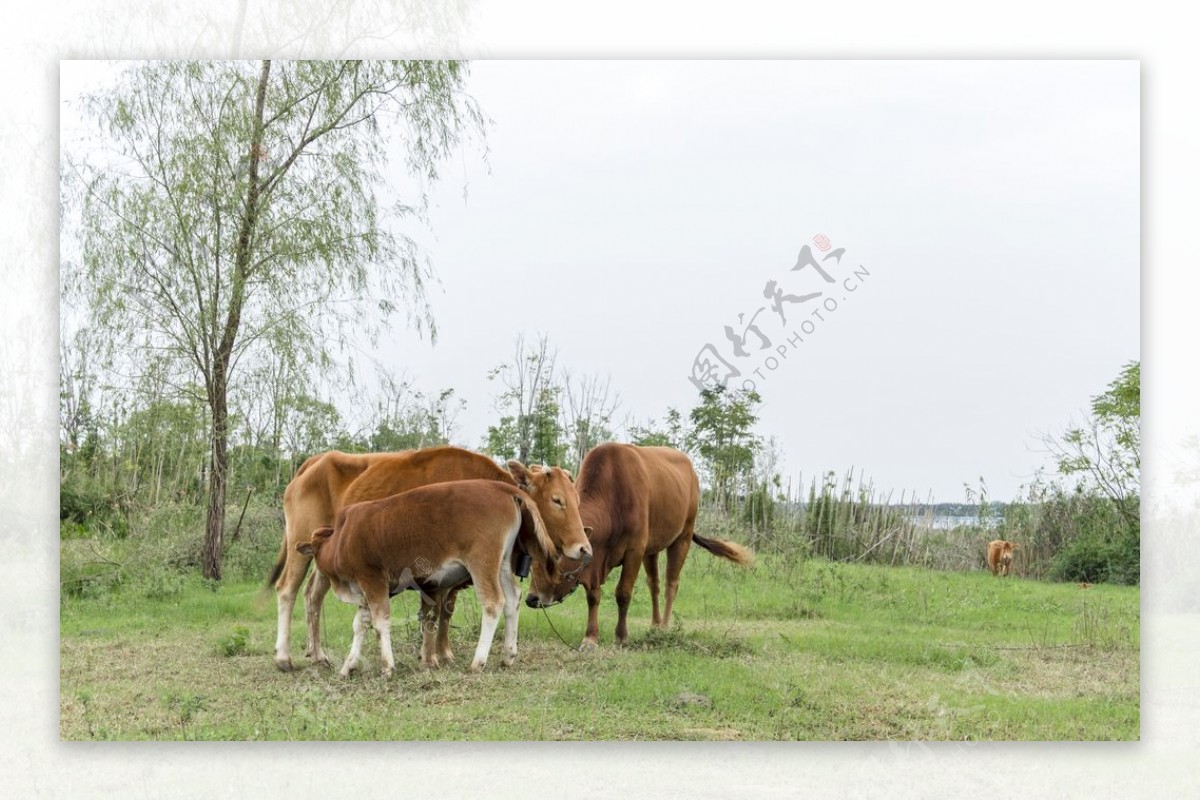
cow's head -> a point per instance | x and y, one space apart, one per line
313 547
318 548
553 580
1006 555
558 503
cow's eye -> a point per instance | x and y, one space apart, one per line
559 501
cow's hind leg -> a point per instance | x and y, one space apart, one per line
287 586
362 619
651 565
314 597
676 556
491 600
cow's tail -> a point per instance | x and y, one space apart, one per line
725 549
532 518
277 570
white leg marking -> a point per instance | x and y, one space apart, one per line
487 630
512 607
360 626
286 600
383 626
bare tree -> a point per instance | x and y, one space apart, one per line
588 414
528 403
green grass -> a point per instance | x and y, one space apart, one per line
787 650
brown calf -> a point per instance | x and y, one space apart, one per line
999 556
430 539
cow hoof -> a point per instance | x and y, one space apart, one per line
476 667
386 673
284 665
508 661
429 664
587 645
447 657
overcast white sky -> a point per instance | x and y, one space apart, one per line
634 209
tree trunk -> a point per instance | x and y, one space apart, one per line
214 533
214 529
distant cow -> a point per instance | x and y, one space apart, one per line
999 556
431 539
638 501
328 482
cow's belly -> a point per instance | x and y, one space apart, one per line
450 574
447 575
348 592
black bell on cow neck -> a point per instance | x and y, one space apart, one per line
524 563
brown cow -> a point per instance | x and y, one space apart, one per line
327 483
999 556
638 501
432 539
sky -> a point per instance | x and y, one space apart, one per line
630 211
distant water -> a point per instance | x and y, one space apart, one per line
951 521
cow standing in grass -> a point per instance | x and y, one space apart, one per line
638 502
432 539
1000 556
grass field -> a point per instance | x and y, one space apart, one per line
804 650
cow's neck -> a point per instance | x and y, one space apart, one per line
596 513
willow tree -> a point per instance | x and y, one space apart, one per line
233 209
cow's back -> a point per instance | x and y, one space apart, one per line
640 488
315 491
400 472
674 491
330 481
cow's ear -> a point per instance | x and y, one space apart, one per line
305 548
520 474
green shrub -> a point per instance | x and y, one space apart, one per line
1097 560
237 643
85 506
159 583
83 579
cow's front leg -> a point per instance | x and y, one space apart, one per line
380 605
429 624
592 635
491 603
624 594
446 604
512 607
